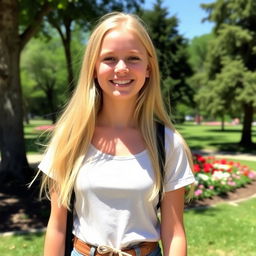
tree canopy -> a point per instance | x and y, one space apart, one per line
231 62
172 54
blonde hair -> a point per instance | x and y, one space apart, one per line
74 130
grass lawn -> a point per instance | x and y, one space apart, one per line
35 138
216 231
197 136
22 245
222 230
211 137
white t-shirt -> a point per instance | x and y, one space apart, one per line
112 192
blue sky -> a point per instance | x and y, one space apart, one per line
189 14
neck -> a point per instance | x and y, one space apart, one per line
117 114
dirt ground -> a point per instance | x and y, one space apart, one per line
21 210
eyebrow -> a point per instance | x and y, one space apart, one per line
113 52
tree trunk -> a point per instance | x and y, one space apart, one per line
246 139
13 155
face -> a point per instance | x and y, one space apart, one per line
122 66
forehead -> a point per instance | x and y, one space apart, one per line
121 39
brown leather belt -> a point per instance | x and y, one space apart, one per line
84 248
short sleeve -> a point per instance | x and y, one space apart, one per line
46 162
178 172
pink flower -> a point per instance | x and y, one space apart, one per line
201 186
251 175
211 187
45 127
231 183
198 192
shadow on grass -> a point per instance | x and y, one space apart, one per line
234 148
21 208
205 210
30 236
225 131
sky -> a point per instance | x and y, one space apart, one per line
189 14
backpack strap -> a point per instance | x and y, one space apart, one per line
69 227
160 136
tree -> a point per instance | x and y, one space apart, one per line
233 57
20 20
198 49
172 54
43 69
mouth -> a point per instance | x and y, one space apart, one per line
122 83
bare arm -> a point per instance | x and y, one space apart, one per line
56 229
172 230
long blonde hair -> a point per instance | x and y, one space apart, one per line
74 130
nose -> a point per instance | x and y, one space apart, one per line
121 67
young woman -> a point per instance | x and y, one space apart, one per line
104 147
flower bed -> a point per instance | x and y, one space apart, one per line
216 177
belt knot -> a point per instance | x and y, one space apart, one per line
103 249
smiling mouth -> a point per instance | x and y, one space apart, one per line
121 83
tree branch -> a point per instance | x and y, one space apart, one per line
31 30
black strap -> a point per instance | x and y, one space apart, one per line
160 135
69 228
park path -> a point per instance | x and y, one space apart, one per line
36 158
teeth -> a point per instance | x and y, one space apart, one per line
122 81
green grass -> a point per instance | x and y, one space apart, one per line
22 245
197 136
211 137
223 230
34 138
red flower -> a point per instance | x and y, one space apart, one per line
197 168
208 167
223 161
246 172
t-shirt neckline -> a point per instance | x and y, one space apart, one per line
121 157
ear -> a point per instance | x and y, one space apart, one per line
148 72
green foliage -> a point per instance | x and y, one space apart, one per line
172 54
230 79
43 76
198 48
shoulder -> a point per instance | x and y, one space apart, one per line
173 140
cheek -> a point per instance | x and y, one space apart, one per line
102 70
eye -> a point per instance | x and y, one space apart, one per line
134 58
109 59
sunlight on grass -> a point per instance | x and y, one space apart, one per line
211 137
222 230
34 139
22 245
